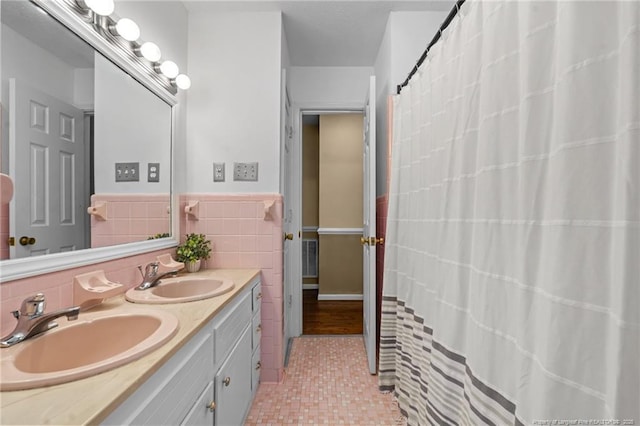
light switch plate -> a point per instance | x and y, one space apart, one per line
218 172
245 171
127 172
153 172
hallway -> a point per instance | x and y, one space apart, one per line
330 316
326 383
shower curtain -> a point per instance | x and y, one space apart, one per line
512 267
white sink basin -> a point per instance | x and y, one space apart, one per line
182 289
94 343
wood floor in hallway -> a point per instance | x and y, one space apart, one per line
326 383
330 316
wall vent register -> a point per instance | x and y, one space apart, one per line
309 258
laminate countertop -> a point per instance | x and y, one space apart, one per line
91 400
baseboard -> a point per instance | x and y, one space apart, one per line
339 297
309 286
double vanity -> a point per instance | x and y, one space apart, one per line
184 352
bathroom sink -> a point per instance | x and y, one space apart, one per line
94 343
183 289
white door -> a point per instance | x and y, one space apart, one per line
46 138
289 221
369 227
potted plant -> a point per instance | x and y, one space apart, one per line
195 248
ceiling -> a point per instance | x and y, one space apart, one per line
325 32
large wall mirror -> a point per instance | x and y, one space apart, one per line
88 146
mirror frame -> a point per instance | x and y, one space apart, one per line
81 23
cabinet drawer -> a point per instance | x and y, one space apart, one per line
255 369
256 292
256 326
233 384
168 395
230 327
201 412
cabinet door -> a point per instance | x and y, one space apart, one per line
233 384
255 370
256 324
202 411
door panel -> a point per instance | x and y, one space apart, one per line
47 148
369 227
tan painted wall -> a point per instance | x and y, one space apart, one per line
340 264
341 171
340 195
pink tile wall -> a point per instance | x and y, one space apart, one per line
381 232
130 218
4 231
57 286
382 206
242 238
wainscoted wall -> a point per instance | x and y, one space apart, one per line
242 237
130 218
57 286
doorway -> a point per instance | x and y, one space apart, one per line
332 222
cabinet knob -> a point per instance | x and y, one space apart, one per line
211 406
259 295
227 381
259 328
258 365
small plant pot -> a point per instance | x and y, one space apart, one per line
193 265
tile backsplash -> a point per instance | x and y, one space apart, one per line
241 237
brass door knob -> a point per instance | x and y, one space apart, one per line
26 241
227 381
211 406
364 240
288 236
374 241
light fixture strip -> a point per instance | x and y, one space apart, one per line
107 24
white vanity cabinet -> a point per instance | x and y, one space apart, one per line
211 380
256 324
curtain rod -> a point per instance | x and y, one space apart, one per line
434 40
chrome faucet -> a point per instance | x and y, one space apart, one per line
32 320
151 277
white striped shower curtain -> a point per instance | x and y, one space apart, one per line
512 266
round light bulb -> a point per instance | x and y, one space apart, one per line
169 69
101 7
128 29
183 81
150 51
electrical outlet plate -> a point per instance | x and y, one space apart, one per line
127 172
153 172
218 172
245 171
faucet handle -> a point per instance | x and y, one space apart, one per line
32 306
152 268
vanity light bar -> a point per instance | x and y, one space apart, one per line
129 31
